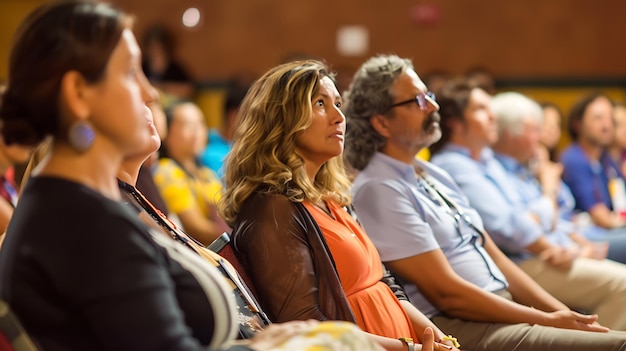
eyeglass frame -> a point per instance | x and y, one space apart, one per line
421 99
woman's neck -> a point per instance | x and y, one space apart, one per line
311 170
129 171
93 169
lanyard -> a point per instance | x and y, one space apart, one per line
458 214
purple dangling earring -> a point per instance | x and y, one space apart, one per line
81 136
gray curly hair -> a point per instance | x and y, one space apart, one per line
367 96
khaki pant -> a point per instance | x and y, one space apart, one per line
477 336
590 285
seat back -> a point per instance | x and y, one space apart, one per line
13 337
224 248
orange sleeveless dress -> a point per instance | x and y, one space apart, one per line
375 307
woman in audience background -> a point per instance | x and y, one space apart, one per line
112 283
551 128
306 256
161 66
190 189
547 154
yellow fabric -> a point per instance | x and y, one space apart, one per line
424 154
181 192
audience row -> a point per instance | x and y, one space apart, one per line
480 249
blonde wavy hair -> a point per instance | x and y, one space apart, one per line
275 111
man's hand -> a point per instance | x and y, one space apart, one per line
575 320
595 250
559 256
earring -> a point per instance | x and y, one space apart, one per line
81 135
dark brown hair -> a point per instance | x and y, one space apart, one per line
58 37
577 112
453 98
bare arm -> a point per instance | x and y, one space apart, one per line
420 321
459 298
603 217
523 288
453 295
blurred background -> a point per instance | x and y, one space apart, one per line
551 50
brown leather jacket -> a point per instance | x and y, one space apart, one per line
284 252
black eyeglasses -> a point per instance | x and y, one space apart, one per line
422 100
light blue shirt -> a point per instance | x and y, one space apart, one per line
403 219
529 190
493 195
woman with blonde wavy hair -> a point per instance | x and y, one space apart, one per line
286 197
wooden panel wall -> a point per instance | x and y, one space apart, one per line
513 38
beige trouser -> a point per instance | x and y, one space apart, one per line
590 285
477 336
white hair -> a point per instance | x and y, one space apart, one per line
512 109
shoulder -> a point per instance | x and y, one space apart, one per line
265 216
449 157
166 163
167 168
381 173
454 162
263 208
376 186
74 219
573 155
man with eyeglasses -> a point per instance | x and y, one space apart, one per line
428 234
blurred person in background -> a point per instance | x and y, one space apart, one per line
617 149
546 157
190 189
220 138
482 77
145 179
161 67
550 130
593 177
10 156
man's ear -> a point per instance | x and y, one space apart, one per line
74 95
380 124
